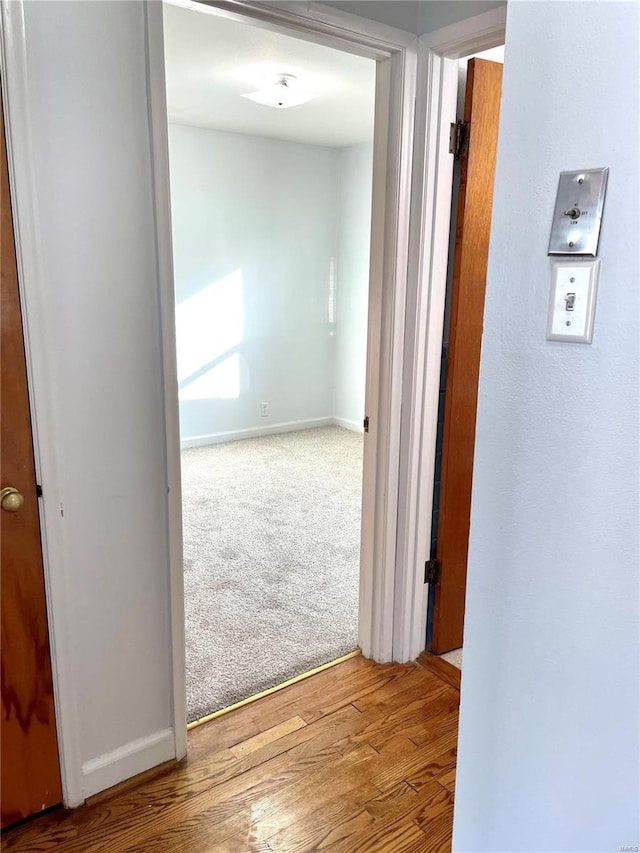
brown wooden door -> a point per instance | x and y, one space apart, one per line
475 201
29 759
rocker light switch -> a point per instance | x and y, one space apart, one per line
572 304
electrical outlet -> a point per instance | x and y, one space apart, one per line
264 410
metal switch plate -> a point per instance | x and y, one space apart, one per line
572 305
578 212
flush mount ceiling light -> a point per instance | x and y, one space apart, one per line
281 91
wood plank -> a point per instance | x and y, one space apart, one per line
238 844
392 676
196 835
313 826
433 770
448 779
408 766
417 721
207 840
397 745
401 838
413 684
437 826
399 815
383 723
399 799
434 728
435 802
298 826
274 733
337 832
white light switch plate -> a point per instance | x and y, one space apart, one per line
572 305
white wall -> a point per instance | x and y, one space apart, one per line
261 229
549 729
255 224
87 102
349 373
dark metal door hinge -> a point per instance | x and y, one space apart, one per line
38 490
459 138
432 571
366 423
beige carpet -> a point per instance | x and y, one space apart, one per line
272 552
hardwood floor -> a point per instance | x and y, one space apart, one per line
360 757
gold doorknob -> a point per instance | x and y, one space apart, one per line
11 500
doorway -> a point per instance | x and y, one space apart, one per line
271 221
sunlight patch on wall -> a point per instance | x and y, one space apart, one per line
209 331
221 382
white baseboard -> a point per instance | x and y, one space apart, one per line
354 426
254 432
127 761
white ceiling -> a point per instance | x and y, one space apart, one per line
211 61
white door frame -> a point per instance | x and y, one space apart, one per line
396 54
438 56
410 255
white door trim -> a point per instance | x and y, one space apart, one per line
431 222
314 22
159 136
393 137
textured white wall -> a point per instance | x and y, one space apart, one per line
255 225
548 757
356 169
91 166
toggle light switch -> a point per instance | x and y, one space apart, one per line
577 216
572 303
